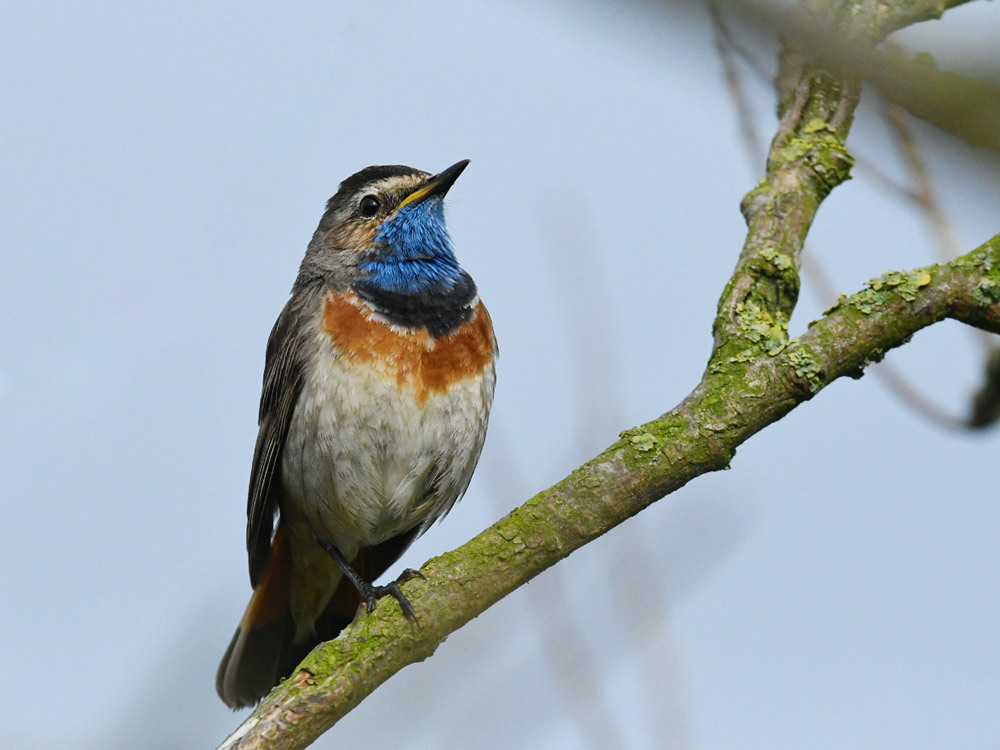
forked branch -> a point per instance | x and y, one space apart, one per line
755 376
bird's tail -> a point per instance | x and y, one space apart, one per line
267 646
263 649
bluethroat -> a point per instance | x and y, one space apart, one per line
378 383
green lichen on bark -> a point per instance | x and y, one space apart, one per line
642 440
807 367
807 159
821 148
650 441
769 332
888 287
987 291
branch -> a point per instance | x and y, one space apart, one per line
755 376
699 435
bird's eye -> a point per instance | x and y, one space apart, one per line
369 206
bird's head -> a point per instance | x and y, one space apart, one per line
385 230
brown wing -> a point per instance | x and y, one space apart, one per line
283 376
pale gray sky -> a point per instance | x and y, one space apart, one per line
163 168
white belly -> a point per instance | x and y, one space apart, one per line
365 460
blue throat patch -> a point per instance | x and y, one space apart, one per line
413 277
414 253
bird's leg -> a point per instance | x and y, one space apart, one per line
371 594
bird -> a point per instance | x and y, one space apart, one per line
378 381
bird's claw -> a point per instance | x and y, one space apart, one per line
409 574
392 589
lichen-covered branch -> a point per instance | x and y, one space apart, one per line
700 435
807 159
755 376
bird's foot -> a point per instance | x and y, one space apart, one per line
371 594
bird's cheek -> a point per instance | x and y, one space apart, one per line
352 234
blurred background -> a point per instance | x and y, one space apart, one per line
163 168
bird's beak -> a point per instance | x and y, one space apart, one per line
439 184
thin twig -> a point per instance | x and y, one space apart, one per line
572 663
925 195
922 190
881 176
848 100
577 280
725 46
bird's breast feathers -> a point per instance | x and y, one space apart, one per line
411 357
389 424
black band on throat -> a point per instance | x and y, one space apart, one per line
442 309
